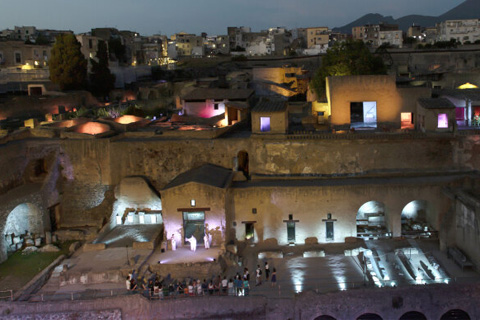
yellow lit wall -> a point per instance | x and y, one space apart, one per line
391 101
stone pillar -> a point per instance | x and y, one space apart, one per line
48 237
469 112
235 163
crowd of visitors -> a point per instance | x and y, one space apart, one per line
239 285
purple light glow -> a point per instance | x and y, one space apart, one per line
442 121
264 124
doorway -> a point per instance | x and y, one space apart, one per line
291 232
54 212
363 114
329 230
194 225
249 231
242 157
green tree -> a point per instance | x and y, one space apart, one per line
42 40
344 59
68 67
102 81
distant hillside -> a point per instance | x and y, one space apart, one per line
469 9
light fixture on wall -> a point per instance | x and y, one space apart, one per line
329 216
193 203
254 210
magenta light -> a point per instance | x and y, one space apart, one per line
442 121
264 124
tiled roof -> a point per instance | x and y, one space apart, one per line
266 105
470 94
207 174
436 103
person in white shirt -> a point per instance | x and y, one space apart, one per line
206 241
224 285
174 243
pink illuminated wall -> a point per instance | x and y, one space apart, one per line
207 109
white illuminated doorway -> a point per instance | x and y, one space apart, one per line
363 114
194 225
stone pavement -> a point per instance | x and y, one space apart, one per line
334 272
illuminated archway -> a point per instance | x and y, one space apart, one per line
136 203
369 316
455 314
415 218
413 315
25 218
371 220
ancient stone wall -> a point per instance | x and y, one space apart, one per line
309 204
90 169
388 303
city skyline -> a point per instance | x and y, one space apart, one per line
211 16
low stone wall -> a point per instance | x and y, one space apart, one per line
71 278
38 281
389 303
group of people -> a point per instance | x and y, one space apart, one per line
237 286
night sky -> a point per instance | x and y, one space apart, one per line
196 16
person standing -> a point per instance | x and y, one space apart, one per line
246 288
238 286
274 277
128 283
246 275
206 241
224 285
231 289
173 242
267 270
258 279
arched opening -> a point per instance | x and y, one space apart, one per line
24 223
243 162
414 219
136 214
371 221
325 318
413 315
369 316
455 314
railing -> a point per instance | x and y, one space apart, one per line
358 135
6 295
281 290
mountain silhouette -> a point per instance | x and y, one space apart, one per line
469 9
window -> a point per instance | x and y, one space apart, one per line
1 57
215 106
18 57
265 124
442 121
90 43
406 120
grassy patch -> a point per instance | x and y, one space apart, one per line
19 269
